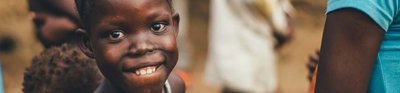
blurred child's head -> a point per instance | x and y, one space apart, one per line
55 20
133 41
61 70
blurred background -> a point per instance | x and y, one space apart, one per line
17 31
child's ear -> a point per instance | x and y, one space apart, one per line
84 43
175 20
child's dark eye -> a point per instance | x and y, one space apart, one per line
158 27
116 35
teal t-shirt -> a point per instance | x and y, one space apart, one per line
385 77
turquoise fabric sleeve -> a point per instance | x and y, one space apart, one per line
381 11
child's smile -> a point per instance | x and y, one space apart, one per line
146 66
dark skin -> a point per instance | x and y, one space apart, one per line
55 21
53 30
127 35
350 45
67 8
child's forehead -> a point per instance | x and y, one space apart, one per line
111 10
133 4
133 8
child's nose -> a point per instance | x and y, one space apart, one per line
140 52
140 45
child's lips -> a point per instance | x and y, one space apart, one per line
143 65
143 78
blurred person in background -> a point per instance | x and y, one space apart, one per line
55 20
63 69
60 67
244 34
360 47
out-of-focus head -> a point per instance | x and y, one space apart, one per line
61 70
55 20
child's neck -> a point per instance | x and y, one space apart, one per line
107 87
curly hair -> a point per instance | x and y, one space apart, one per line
61 69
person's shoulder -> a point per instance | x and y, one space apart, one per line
177 84
382 12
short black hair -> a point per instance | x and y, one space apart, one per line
61 69
84 9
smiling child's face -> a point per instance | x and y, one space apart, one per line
134 42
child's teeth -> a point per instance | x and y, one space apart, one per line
149 71
137 72
145 70
142 71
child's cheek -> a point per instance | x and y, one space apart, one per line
110 54
169 43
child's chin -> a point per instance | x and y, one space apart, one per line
157 78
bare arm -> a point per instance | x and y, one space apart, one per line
349 48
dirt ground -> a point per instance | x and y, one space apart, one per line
309 21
